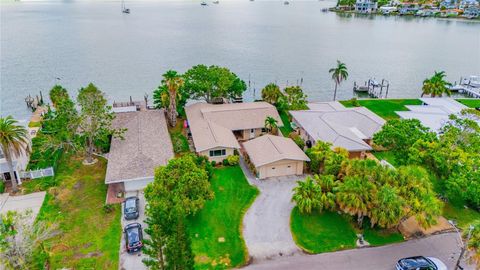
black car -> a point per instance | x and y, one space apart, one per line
131 208
420 263
133 237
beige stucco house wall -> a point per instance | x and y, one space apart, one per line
228 152
247 133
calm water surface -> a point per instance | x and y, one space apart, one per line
82 42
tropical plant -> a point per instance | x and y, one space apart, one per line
19 239
339 74
209 83
95 118
436 86
306 195
233 160
355 196
173 81
388 209
294 98
271 125
14 142
58 93
328 185
179 189
399 135
297 139
271 93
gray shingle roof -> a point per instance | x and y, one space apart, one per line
146 145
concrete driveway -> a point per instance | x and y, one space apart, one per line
442 246
22 203
132 261
266 225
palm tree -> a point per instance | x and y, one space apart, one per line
389 208
271 125
307 195
271 93
354 197
328 184
14 141
173 81
436 85
339 74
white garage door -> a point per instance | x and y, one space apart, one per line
281 170
135 185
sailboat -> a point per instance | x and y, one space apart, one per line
124 9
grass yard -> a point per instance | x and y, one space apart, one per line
89 238
322 232
470 102
386 155
287 128
216 230
376 237
463 216
179 141
384 108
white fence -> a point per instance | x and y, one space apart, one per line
37 173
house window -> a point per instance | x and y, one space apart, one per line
218 153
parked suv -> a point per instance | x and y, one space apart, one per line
133 237
131 208
420 263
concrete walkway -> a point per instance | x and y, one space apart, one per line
444 247
22 203
266 225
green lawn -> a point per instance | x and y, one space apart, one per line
463 216
89 238
376 237
216 230
386 155
470 102
384 108
322 232
287 128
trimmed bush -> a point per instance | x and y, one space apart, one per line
233 160
2 186
225 162
297 139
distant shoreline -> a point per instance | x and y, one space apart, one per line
334 9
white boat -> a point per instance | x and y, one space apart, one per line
203 3
216 2
124 9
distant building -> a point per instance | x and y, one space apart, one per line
366 6
472 12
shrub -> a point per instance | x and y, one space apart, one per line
297 139
108 208
233 160
180 143
214 163
355 102
2 186
225 162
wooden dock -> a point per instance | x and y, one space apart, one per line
470 91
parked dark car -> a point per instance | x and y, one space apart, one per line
131 208
420 263
133 237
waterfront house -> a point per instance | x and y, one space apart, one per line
366 6
434 112
19 164
388 9
408 8
216 129
274 156
349 128
472 12
132 159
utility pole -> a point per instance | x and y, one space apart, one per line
464 247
